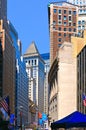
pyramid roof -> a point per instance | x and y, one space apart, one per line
32 50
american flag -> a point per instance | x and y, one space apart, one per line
5 103
84 100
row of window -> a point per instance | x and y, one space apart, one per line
65 23
81 27
78 2
82 22
82 11
66 29
31 62
64 17
65 12
60 39
65 34
54 108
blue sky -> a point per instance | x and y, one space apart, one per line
30 19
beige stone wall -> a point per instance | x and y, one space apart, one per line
67 81
63 94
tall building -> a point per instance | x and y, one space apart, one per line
46 58
21 89
62 24
7 82
8 69
35 70
68 73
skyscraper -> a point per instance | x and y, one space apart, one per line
8 57
35 70
8 69
62 24
46 58
21 89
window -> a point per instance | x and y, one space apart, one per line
59 45
69 29
80 11
65 29
83 27
59 22
64 11
59 39
54 28
74 30
59 34
59 11
79 22
74 24
35 62
54 22
83 22
59 28
55 10
69 12
69 24
65 17
59 17
29 61
74 12
64 34
69 18
32 62
79 27
65 23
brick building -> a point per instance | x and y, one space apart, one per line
62 24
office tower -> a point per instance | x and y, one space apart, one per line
62 24
8 69
7 87
46 58
35 70
21 89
